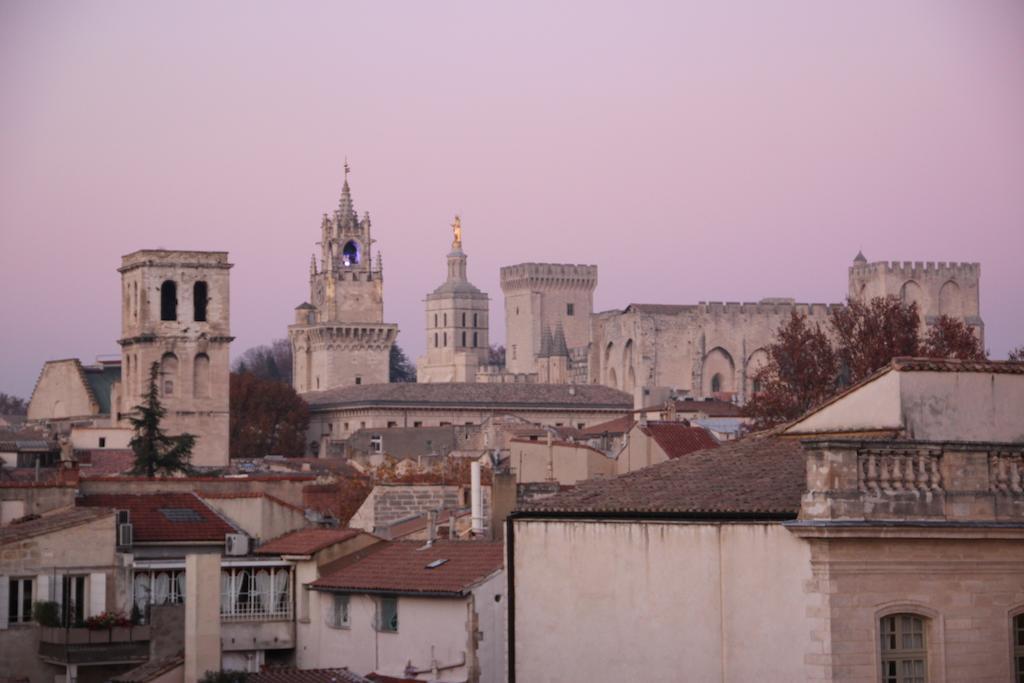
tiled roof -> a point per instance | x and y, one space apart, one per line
155 518
619 425
494 396
711 408
904 364
753 476
402 567
679 438
64 519
306 676
306 541
151 670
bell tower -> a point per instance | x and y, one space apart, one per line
340 338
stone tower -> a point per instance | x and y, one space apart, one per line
340 337
938 288
457 325
176 313
553 358
542 296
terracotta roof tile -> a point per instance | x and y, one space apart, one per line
679 438
751 476
57 521
402 567
151 670
905 364
166 517
306 676
712 408
105 462
306 541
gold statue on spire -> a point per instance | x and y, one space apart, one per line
457 230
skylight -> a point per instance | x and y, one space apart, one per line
436 563
181 515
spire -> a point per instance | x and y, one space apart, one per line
859 258
545 344
346 212
558 345
312 264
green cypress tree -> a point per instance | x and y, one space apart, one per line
154 450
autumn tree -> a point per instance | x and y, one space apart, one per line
801 371
400 368
869 335
496 355
951 338
1016 355
12 405
155 451
267 417
268 361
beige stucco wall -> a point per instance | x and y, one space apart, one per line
259 517
669 601
638 451
61 392
425 625
561 462
89 437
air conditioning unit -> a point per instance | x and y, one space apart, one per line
236 544
124 535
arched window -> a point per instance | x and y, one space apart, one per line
446 323
474 340
169 300
904 650
435 324
435 340
199 301
168 373
474 320
445 339
350 253
201 376
716 383
463 339
463 321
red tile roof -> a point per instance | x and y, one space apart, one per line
401 567
104 462
306 676
711 408
749 477
152 523
679 438
619 425
56 521
306 541
905 364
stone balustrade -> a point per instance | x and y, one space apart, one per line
1006 472
892 472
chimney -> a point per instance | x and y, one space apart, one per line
431 527
476 498
503 501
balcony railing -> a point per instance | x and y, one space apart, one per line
83 645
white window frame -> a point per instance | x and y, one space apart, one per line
378 622
17 587
338 614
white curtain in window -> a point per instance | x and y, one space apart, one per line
142 590
180 581
263 589
161 588
225 592
281 590
241 587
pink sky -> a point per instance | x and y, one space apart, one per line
693 151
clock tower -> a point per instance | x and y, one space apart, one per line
340 338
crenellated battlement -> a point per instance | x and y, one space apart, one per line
913 269
561 275
765 307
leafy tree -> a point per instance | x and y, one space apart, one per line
1016 354
496 355
268 361
154 450
267 417
801 372
951 338
869 335
400 368
12 405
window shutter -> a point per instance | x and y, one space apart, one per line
4 586
97 593
43 585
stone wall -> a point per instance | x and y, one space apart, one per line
389 503
62 392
